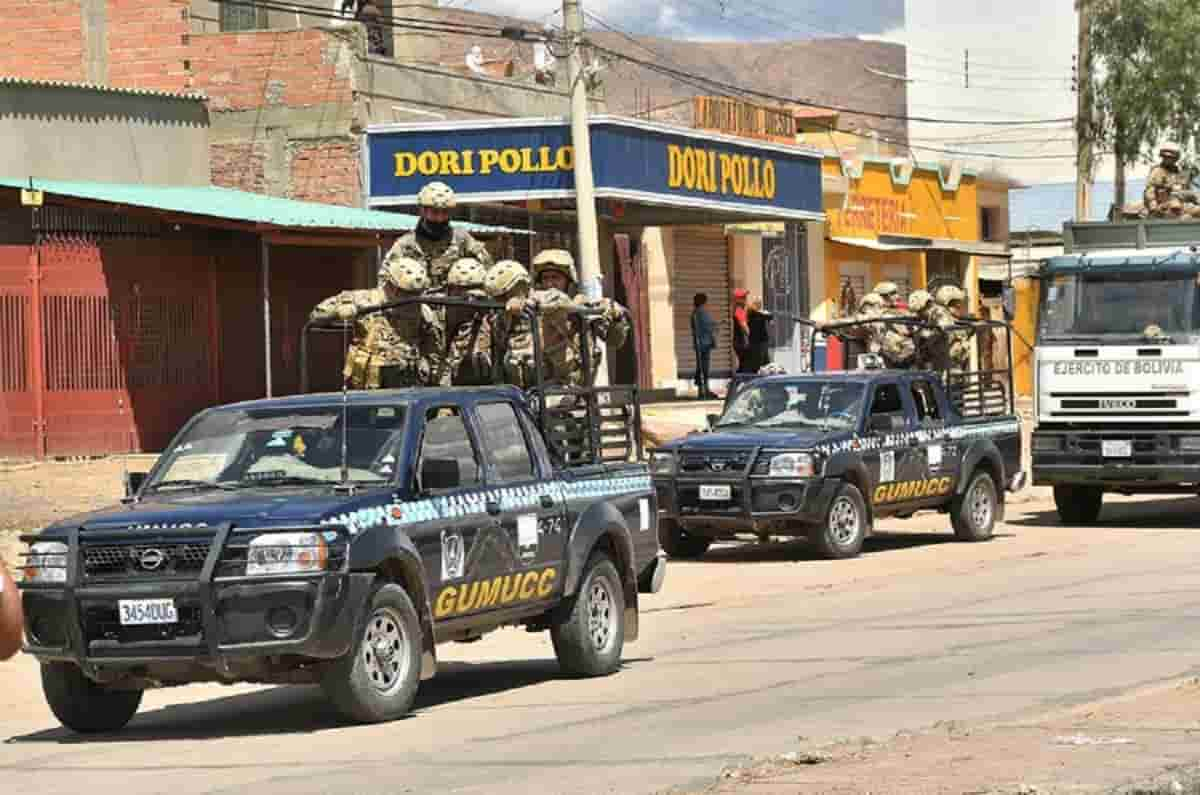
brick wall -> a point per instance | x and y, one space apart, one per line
148 44
41 39
240 165
325 170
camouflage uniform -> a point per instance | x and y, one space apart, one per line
508 282
871 334
895 340
466 359
396 348
1168 191
562 352
920 304
438 254
958 340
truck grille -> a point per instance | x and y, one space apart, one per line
725 461
144 560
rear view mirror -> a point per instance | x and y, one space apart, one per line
1008 301
440 474
133 482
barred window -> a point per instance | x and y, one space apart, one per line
243 17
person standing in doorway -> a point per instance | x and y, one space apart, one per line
704 339
759 323
741 331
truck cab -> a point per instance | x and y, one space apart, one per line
1117 364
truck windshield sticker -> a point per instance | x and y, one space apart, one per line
454 555
887 467
935 456
527 586
1131 367
527 536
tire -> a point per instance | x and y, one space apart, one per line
589 634
680 544
844 529
369 684
1078 505
84 706
975 511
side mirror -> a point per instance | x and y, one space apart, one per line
440 474
882 423
1008 301
133 482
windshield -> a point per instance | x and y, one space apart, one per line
785 404
1078 307
283 446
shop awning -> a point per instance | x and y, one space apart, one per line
645 173
905 243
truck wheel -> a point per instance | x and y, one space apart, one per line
678 543
973 513
377 679
1078 504
84 706
842 533
589 636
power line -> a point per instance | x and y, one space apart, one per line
751 92
391 21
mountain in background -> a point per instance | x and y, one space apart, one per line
832 71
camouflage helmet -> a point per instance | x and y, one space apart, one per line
949 294
1152 332
438 195
870 300
886 289
772 368
1170 147
918 300
407 275
555 259
466 272
505 276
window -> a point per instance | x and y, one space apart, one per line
446 438
887 400
506 449
925 401
238 17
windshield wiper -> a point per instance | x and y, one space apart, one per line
290 480
192 484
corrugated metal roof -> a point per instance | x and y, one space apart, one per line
194 96
236 205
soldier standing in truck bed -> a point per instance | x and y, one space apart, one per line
951 304
896 341
467 357
395 348
435 242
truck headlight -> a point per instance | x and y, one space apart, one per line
662 463
1047 444
286 553
792 465
46 562
1190 444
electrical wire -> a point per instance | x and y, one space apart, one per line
391 21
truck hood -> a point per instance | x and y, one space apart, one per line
741 438
247 508
1086 383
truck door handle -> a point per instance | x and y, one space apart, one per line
547 501
493 507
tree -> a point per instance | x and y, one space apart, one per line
1146 55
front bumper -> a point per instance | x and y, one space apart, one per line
757 504
1070 457
220 619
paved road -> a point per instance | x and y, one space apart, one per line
740 655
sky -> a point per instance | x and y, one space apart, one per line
1018 56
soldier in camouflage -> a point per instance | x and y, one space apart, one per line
1169 192
896 343
396 348
920 303
508 282
556 280
950 306
467 358
435 242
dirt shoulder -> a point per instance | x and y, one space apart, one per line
1144 742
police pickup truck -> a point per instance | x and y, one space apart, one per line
825 455
337 539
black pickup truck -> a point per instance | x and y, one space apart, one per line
823 456
337 539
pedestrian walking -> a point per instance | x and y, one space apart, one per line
704 339
741 331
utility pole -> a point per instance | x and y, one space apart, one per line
585 189
1083 115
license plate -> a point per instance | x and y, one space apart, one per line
1117 449
135 612
716 493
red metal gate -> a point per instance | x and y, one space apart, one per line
17 410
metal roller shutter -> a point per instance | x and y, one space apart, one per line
702 266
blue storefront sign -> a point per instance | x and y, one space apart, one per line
631 160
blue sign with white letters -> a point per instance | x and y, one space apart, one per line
631 160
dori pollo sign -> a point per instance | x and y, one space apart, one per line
631 161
